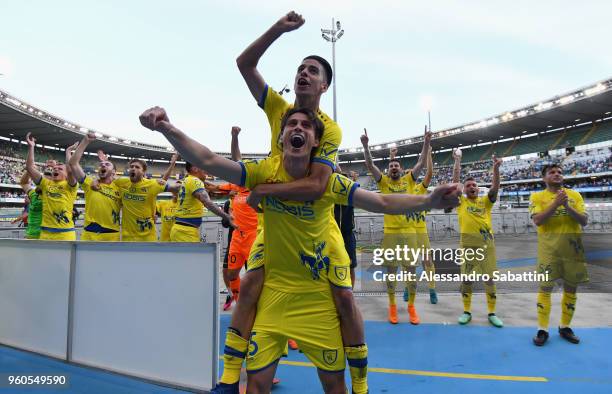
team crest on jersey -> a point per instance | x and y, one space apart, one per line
340 272
317 263
340 185
61 217
330 356
328 150
144 224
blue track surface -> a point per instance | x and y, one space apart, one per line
576 369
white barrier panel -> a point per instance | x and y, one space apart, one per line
148 310
34 291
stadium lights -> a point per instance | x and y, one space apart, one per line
332 35
596 89
577 120
84 130
566 99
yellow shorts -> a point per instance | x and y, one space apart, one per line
59 236
100 237
149 237
256 254
562 257
164 236
180 233
478 259
393 241
310 319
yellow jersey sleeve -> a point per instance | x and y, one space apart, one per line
535 204
383 183
275 107
420 189
409 179
576 201
327 151
86 184
122 182
341 189
255 172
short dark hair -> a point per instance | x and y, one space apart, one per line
470 178
316 122
139 161
329 73
550 167
396 161
188 166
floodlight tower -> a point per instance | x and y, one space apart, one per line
332 36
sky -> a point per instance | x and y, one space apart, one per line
100 64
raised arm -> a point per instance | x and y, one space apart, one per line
248 59
199 155
74 161
429 171
443 196
494 190
376 174
30 166
166 175
24 182
208 203
236 156
392 153
69 174
418 167
457 165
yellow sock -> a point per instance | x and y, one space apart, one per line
233 355
412 288
466 294
543 310
391 298
568 306
491 291
357 357
431 271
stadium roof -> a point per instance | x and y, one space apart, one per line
576 108
579 107
17 118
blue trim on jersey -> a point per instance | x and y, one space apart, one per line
412 175
339 287
198 190
96 228
243 175
350 196
233 352
262 368
262 100
57 230
324 161
189 221
166 187
357 362
82 180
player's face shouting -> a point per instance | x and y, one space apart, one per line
299 135
471 189
310 79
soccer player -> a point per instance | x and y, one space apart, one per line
559 215
313 78
34 207
345 218
397 232
245 218
166 209
417 220
192 198
298 268
57 195
138 198
476 239
103 205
